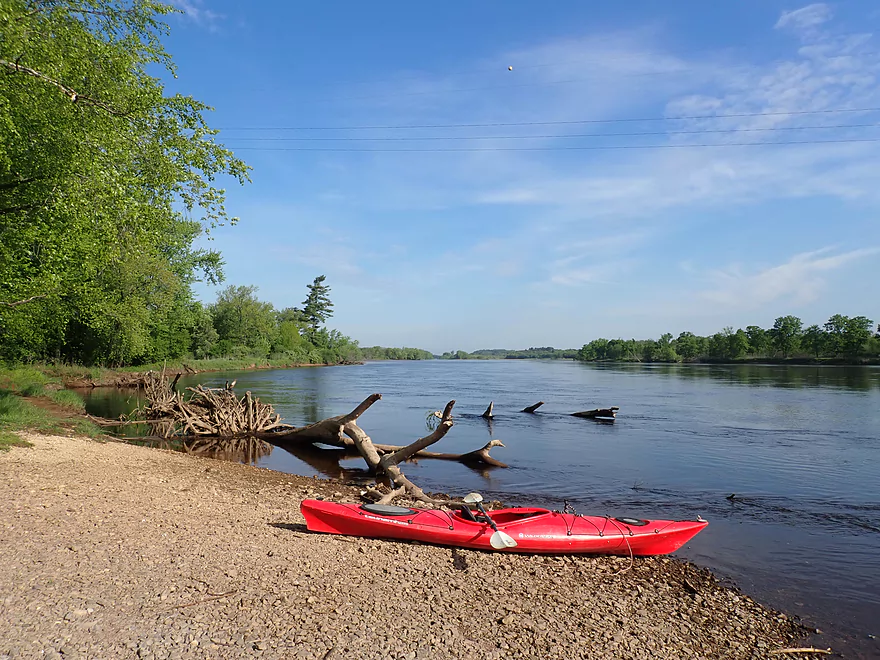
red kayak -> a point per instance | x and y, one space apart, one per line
535 531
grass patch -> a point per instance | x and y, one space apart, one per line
8 440
44 415
68 399
29 381
18 413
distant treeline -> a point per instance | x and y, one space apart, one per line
847 338
380 353
545 352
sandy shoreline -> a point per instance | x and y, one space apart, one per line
116 551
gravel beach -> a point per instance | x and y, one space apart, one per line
116 551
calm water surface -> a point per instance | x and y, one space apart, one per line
798 445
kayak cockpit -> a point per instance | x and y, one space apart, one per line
505 517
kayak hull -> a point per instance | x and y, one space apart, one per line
535 530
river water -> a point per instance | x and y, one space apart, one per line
799 446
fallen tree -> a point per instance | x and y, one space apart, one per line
209 419
384 460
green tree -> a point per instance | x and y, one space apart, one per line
835 328
317 307
242 320
616 350
737 343
666 349
719 346
687 345
785 334
815 340
203 336
105 183
758 340
289 339
856 335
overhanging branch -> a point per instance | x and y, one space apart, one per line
22 302
69 92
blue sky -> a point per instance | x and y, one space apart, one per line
579 202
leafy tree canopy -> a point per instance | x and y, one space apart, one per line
105 182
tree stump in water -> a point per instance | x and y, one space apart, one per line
598 413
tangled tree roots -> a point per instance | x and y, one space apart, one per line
205 411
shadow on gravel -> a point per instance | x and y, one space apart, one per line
293 527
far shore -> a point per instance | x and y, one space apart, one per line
131 378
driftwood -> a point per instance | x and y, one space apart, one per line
384 460
206 411
598 413
216 421
807 649
477 458
533 408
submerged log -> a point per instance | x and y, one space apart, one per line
598 413
477 458
488 414
533 408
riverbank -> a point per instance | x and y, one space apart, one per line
117 551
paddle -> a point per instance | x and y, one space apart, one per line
499 540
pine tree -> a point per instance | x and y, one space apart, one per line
317 307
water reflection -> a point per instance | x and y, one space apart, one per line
769 375
239 450
326 460
245 450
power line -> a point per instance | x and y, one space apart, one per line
550 123
560 148
559 137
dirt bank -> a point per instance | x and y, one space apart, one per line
126 379
115 551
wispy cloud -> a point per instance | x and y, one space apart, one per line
799 280
805 19
195 11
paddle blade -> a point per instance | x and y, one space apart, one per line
500 541
473 498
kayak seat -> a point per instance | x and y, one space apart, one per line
388 510
467 514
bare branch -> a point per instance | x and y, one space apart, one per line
69 92
26 300
361 409
441 430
